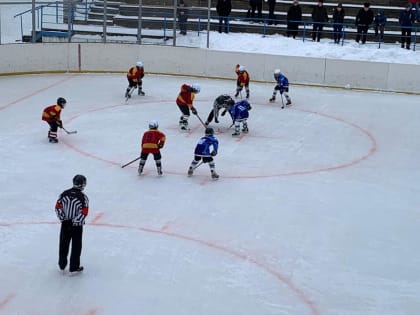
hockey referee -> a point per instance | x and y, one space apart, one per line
71 208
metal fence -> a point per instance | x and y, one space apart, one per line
77 21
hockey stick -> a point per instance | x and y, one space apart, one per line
69 132
282 102
129 93
195 167
131 162
202 122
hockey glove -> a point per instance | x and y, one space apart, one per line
193 110
213 153
59 123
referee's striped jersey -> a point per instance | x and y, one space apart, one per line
72 205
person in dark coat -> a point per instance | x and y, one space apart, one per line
338 19
294 16
363 20
407 18
223 8
182 17
380 21
271 15
319 18
256 5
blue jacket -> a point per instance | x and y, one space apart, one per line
206 145
380 18
407 18
239 111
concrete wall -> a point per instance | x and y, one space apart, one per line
47 57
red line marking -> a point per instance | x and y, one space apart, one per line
36 92
92 312
6 300
299 293
97 218
353 162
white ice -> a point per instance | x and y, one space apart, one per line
316 210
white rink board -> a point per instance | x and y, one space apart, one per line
208 63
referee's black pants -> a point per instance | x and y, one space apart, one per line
73 234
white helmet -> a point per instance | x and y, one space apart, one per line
277 71
196 88
241 68
153 124
139 64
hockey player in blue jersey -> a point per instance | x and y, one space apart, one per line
239 113
282 86
205 150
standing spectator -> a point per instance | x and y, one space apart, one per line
294 16
182 17
51 115
319 17
363 19
407 18
223 8
338 19
242 80
185 103
380 21
206 148
152 141
271 15
71 208
256 5
415 5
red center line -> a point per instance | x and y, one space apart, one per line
7 299
97 218
36 92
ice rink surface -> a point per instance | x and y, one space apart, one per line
316 210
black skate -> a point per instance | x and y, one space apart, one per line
53 140
272 99
77 271
190 172
141 92
289 102
214 175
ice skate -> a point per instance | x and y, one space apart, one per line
159 171
190 172
77 271
272 99
245 129
53 140
214 175
247 96
140 92
288 102
236 133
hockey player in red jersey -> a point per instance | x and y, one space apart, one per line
134 76
185 103
152 141
51 115
242 80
